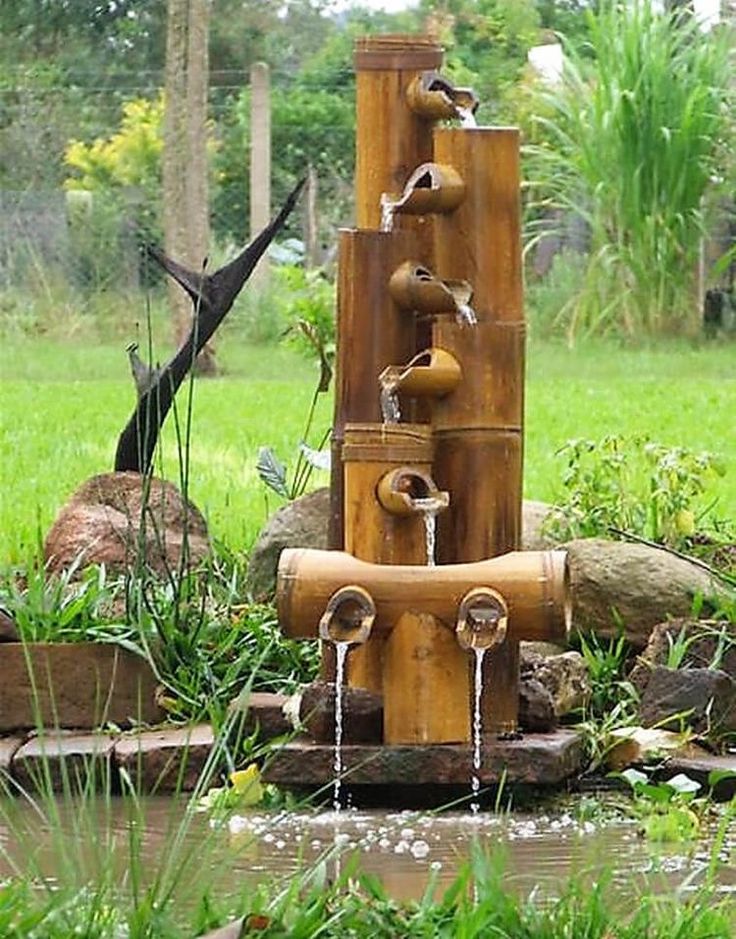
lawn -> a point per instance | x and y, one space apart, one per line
63 405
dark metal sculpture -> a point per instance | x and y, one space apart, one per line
212 296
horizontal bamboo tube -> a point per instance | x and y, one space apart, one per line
426 684
434 98
534 584
432 373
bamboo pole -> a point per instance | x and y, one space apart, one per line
479 427
371 453
391 138
372 333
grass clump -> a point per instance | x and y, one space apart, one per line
632 142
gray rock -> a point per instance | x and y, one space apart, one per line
362 713
107 517
536 708
533 517
303 524
705 643
701 698
564 676
616 585
299 524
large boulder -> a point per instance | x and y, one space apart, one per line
616 585
303 524
299 524
111 516
362 713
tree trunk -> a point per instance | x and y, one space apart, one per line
186 204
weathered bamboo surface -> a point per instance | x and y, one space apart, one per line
534 584
371 452
426 683
372 333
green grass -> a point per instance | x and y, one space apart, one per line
62 407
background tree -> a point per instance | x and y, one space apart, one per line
185 196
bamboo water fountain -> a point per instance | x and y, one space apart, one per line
428 425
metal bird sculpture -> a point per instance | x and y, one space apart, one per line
143 375
212 296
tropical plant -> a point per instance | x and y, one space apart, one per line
634 140
633 485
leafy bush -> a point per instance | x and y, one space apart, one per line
635 485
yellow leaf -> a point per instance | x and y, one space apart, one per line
247 783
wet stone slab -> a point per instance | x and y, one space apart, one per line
535 759
167 760
64 761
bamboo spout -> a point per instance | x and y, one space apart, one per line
482 619
534 585
433 188
434 98
432 373
414 287
409 491
348 616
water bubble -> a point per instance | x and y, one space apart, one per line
420 849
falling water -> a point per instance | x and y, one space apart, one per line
429 508
341 651
390 408
466 315
467 118
477 738
388 208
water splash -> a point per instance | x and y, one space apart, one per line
390 408
388 210
467 118
429 508
477 729
466 315
341 652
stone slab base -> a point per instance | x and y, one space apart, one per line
700 767
535 759
164 759
76 685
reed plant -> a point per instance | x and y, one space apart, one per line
632 141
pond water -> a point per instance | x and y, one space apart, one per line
541 848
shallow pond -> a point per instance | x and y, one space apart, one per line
541 848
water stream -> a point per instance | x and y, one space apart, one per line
341 652
429 508
477 729
466 315
388 210
467 118
390 407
